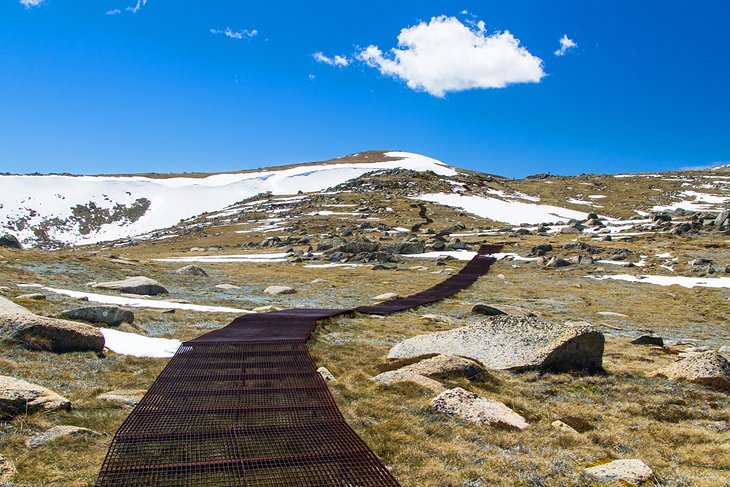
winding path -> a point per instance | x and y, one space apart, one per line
245 406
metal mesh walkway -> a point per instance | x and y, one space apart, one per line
245 406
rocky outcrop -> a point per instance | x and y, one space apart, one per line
633 471
424 372
514 343
485 309
20 397
134 285
278 290
648 340
192 270
707 368
108 315
126 397
10 241
17 324
57 433
475 409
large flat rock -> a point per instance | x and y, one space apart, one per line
134 285
514 343
476 409
707 368
108 315
39 332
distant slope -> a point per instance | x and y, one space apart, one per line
63 210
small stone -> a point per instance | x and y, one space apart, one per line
485 309
32 297
612 314
278 290
556 262
58 432
170 311
327 375
7 470
127 397
648 340
438 319
192 270
633 471
475 409
386 297
564 428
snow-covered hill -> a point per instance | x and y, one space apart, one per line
88 209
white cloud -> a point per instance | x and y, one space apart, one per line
337 60
31 3
137 7
236 34
445 55
566 43
115 11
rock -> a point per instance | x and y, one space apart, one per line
278 290
700 262
38 332
20 397
327 375
723 218
578 424
611 314
58 432
540 250
581 259
423 372
108 315
470 407
564 428
555 262
724 349
438 319
514 343
572 229
128 397
134 285
7 471
32 297
397 376
226 286
632 471
386 297
648 340
10 241
484 309
192 270
708 368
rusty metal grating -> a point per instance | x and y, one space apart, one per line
245 406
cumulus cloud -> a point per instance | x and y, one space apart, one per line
566 43
236 34
31 3
337 60
444 55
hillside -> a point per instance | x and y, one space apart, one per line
631 254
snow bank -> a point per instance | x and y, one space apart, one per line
508 211
42 198
139 345
688 282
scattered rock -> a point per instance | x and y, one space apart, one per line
278 290
470 407
633 471
386 297
38 332
20 397
192 270
724 349
127 397
564 428
708 368
226 286
10 241
58 432
327 375
134 285
540 250
108 315
649 340
32 297
723 218
396 376
438 319
555 262
514 343
7 471
485 309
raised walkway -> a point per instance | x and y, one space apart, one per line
245 406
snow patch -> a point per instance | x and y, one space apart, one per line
139 345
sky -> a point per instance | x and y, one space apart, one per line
504 87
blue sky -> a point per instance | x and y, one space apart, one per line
162 87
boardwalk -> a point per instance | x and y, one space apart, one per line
245 406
